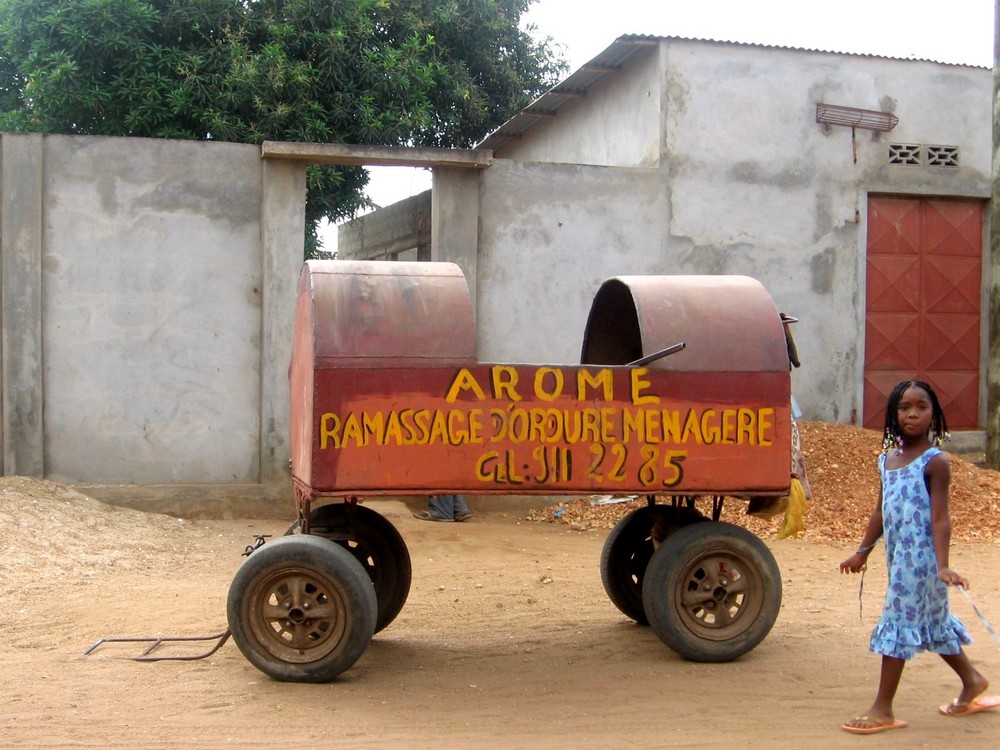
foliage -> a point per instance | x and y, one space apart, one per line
374 72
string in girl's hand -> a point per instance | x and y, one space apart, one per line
980 615
861 591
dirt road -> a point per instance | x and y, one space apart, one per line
506 641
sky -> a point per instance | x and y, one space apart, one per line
957 31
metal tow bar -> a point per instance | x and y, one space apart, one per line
155 642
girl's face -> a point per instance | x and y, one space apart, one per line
915 413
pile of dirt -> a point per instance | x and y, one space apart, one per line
841 467
54 534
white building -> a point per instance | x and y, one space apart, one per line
854 187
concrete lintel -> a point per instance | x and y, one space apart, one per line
346 155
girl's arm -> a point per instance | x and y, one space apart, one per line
938 478
856 562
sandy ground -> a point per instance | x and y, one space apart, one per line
506 641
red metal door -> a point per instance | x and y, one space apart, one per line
923 292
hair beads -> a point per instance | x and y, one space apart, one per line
891 441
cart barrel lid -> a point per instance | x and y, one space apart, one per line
727 324
378 313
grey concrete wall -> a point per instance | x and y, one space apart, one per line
397 232
148 299
20 310
455 225
747 182
148 286
777 196
616 124
283 227
551 234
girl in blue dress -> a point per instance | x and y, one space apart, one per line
912 514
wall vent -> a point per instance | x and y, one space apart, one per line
916 154
942 156
905 153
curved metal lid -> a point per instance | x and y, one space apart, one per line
389 311
727 323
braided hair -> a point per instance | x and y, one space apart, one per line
939 426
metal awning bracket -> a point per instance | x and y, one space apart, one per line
854 118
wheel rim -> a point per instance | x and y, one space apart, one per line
296 615
719 595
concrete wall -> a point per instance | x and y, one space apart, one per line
455 221
748 182
401 231
149 290
550 235
617 123
148 286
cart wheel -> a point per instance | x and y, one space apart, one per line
627 551
624 559
376 544
712 592
301 609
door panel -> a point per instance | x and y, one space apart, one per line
923 303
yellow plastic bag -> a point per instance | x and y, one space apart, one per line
794 514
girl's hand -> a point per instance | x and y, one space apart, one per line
952 578
855 563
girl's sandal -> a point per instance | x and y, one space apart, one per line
866 725
982 703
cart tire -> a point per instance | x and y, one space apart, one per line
624 558
301 609
627 551
376 544
712 592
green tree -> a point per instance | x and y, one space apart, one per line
374 72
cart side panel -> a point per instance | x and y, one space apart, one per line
528 429
370 314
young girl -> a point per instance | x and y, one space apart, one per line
912 512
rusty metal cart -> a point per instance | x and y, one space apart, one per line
683 393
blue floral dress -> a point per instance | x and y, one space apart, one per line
916 616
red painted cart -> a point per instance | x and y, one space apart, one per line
683 393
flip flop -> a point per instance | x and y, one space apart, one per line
426 516
875 728
463 516
976 705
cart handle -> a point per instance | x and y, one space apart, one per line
657 355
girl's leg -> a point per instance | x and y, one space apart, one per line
973 683
892 672
881 710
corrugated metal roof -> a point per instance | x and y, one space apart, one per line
609 62
577 84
